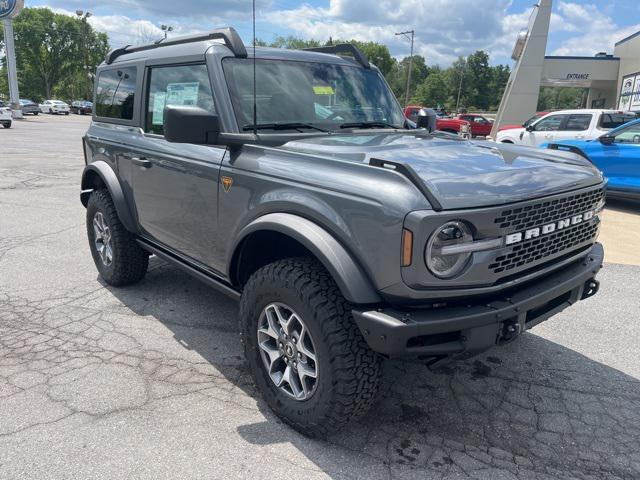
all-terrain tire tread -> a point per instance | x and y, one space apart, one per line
355 367
130 261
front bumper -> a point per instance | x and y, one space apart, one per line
468 330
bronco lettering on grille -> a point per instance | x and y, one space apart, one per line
518 237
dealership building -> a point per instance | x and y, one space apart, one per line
613 79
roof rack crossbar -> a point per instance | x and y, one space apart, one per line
343 48
229 35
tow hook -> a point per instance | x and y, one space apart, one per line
590 288
509 331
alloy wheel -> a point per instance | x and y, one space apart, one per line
288 351
102 240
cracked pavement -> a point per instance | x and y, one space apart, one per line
148 381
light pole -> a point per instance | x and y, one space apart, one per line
406 35
83 16
166 29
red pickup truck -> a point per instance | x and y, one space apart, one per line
480 126
450 125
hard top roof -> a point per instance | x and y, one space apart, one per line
228 43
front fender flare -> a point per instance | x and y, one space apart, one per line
349 276
110 180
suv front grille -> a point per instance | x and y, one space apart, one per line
544 212
539 248
535 250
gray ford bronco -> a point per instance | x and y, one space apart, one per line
347 234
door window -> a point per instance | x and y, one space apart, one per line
629 135
550 124
578 123
177 86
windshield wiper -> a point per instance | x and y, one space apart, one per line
283 126
369 125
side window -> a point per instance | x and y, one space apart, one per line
550 124
179 85
614 120
629 135
115 94
578 123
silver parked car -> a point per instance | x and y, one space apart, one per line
29 107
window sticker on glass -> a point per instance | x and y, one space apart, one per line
183 93
323 90
159 101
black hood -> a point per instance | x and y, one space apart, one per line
460 173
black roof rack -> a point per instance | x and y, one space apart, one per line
343 48
229 35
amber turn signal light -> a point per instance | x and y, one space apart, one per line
407 247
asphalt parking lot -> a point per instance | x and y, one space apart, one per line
148 381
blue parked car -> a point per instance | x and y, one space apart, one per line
616 154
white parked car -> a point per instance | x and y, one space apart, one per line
54 106
5 115
566 125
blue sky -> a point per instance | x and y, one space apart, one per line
445 28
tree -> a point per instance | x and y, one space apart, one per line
479 76
433 92
52 49
377 54
499 78
295 43
398 77
561 98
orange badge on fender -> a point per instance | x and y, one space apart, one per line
226 183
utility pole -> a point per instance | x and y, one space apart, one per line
460 87
83 16
166 29
406 35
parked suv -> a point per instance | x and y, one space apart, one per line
346 236
566 125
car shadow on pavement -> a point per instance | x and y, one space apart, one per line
532 409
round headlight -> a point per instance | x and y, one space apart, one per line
443 264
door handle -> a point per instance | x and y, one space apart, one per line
141 162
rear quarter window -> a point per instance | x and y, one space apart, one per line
609 121
115 94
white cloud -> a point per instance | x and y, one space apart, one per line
444 29
596 31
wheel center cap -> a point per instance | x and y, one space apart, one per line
289 350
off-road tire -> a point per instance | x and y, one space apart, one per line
348 370
130 261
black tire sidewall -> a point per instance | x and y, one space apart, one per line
106 271
315 409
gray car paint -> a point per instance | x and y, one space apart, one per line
179 204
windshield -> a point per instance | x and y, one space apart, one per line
531 120
322 95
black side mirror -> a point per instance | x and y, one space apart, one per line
186 124
530 128
607 139
427 119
